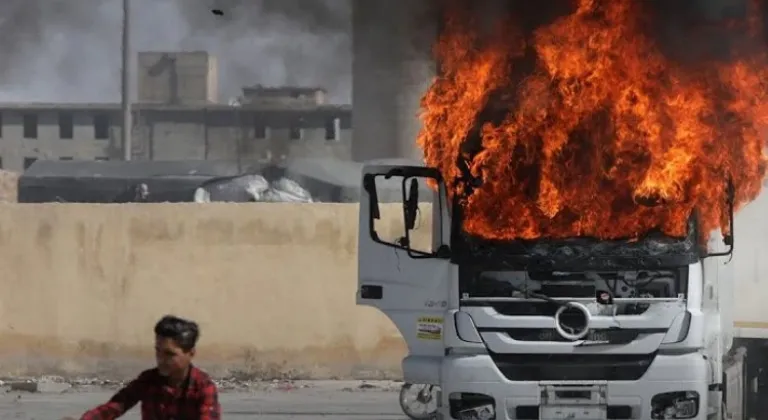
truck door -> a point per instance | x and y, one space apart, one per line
403 265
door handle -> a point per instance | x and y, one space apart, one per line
372 292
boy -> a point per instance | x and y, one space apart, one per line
175 389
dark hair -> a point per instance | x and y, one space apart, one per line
183 332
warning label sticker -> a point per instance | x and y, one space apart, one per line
429 328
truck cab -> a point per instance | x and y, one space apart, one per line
574 328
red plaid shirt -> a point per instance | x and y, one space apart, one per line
197 399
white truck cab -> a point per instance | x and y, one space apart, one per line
548 329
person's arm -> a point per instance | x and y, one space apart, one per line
210 409
121 402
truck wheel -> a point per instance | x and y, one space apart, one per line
418 401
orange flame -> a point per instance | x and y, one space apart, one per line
581 123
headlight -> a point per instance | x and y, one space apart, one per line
675 405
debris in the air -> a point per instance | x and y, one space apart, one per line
217 12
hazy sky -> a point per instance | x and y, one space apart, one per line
69 50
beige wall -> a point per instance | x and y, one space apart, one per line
272 285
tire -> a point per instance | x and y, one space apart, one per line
424 399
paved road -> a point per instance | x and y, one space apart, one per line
310 403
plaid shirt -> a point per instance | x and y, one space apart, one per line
197 399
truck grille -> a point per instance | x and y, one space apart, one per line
532 308
573 367
613 336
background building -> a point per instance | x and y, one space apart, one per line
177 118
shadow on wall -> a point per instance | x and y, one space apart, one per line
272 286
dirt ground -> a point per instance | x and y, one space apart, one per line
347 400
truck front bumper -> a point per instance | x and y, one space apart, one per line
621 400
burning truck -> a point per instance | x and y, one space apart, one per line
583 171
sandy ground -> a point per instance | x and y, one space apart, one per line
329 400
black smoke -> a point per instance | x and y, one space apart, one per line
69 50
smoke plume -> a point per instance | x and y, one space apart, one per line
69 50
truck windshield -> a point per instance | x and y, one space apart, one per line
667 283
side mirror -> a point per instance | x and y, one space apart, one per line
410 204
369 185
728 240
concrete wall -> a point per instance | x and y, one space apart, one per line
272 285
177 133
48 145
177 77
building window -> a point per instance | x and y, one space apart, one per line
295 130
65 158
101 127
28 161
332 128
30 126
260 129
66 125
